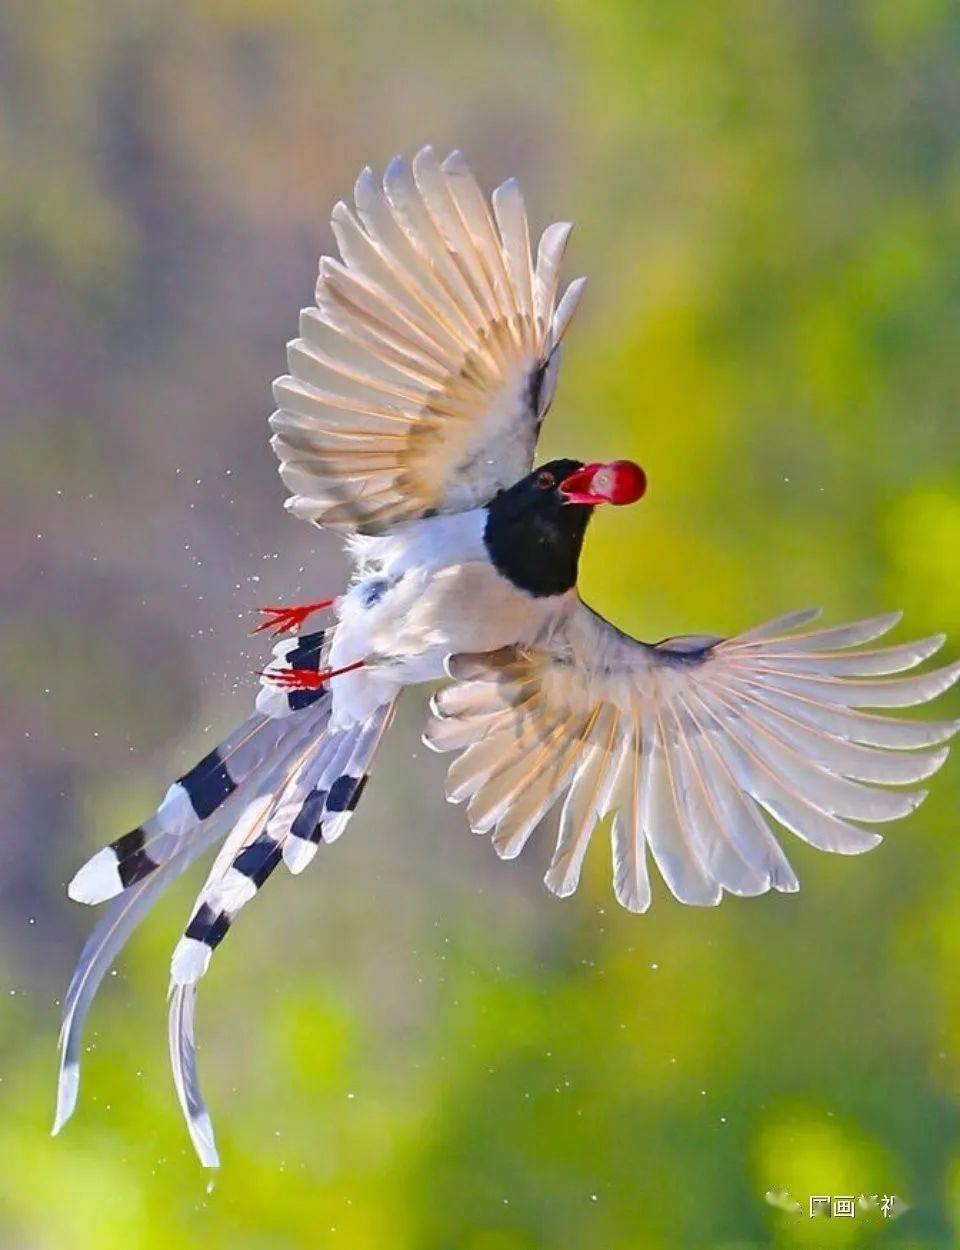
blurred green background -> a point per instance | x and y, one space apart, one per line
415 1047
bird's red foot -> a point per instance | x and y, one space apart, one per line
306 678
295 678
288 620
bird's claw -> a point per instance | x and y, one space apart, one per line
305 678
281 620
295 678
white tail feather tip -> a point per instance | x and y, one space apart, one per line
333 826
97 880
298 853
190 961
67 1090
201 1134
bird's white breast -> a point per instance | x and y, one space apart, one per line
432 543
423 592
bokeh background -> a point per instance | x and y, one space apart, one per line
415 1047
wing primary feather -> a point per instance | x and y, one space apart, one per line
411 214
342 378
891 732
666 831
585 804
393 283
568 305
832 793
381 222
472 207
433 187
300 398
428 340
631 881
483 758
532 804
756 843
859 693
511 217
340 337
368 302
722 857
840 755
550 253
876 662
760 634
850 635
722 737
782 799
495 797
343 299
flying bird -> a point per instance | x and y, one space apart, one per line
408 422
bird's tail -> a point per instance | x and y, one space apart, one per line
309 797
276 787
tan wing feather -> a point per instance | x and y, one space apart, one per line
586 802
426 344
692 743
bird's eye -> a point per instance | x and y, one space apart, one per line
546 480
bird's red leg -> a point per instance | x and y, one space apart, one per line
282 620
306 678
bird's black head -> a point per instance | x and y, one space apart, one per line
534 530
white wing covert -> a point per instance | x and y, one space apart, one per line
419 381
691 743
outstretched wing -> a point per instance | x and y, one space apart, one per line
418 383
692 743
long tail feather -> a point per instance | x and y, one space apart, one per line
102 948
266 745
183 1058
190 801
309 799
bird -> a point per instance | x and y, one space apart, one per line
408 424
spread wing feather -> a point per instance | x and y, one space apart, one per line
418 383
692 743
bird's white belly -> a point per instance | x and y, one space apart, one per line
404 623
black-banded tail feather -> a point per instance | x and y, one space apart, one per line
319 786
309 801
297 826
247 765
190 800
322 811
117 922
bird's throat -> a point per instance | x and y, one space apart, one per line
539 552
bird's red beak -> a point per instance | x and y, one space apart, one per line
619 482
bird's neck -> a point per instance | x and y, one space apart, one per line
538 553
